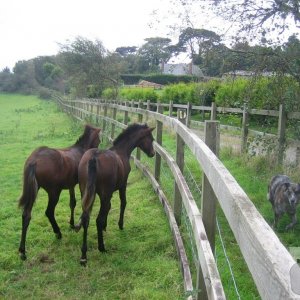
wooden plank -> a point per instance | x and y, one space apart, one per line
209 269
229 110
293 115
268 260
184 264
264 112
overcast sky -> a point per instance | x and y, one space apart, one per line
31 28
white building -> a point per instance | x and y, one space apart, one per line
181 69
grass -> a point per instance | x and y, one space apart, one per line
141 262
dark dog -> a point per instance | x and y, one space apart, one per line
284 197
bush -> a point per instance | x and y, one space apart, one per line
139 94
109 94
206 91
180 93
231 93
44 93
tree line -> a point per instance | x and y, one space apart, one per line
85 68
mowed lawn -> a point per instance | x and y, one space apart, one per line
141 262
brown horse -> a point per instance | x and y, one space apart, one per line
103 172
53 170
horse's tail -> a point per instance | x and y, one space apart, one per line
30 187
90 189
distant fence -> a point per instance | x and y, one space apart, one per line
268 260
213 110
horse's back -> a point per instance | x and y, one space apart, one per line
53 167
111 171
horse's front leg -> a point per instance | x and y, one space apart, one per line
122 194
85 219
72 206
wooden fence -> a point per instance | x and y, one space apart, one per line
245 113
267 259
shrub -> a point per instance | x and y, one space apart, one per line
180 93
109 94
44 93
206 91
139 94
231 93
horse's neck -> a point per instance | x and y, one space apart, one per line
123 149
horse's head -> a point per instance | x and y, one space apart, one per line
146 141
90 138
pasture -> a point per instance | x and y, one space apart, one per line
141 262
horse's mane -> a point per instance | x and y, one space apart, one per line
82 139
128 131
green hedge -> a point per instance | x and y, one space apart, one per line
139 94
260 93
164 79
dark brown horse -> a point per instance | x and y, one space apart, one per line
103 172
53 170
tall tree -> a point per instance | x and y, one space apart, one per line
88 63
153 52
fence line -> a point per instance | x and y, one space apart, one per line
268 260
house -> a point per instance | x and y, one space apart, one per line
181 69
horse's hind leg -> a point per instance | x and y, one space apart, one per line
26 217
72 206
122 194
53 197
102 222
85 218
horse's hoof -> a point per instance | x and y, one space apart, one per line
72 226
83 262
22 256
103 250
121 227
77 228
58 235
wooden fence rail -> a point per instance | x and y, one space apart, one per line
245 113
268 260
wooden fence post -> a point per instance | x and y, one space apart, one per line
208 202
188 114
98 112
114 114
281 133
140 120
105 115
208 199
126 114
244 129
181 116
159 127
171 109
213 114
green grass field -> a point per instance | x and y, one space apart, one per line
141 262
